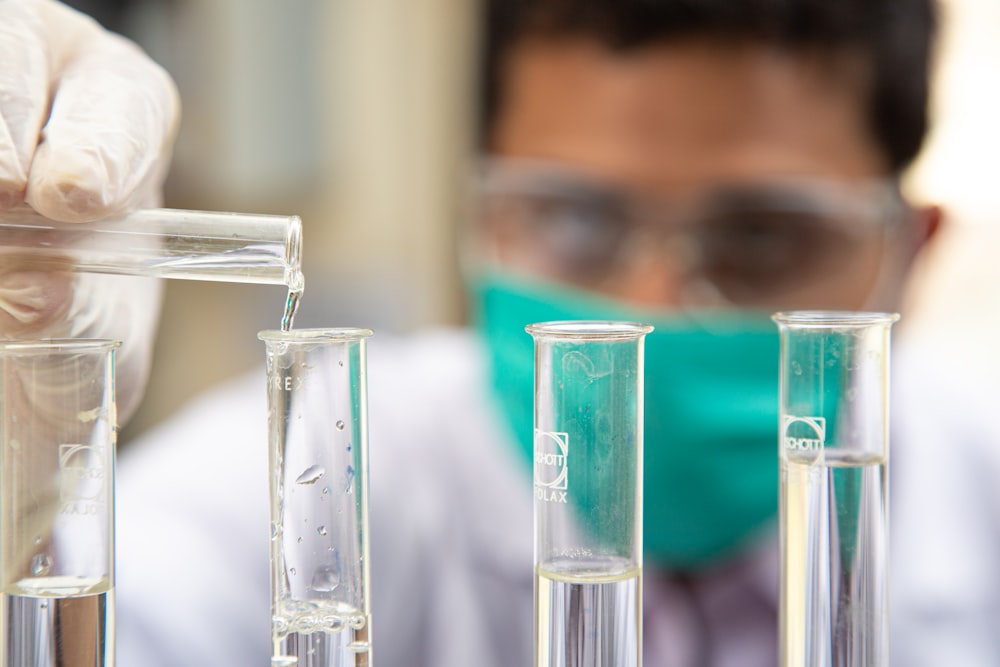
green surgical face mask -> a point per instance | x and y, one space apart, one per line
711 412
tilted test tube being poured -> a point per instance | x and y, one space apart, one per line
161 243
318 443
588 493
834 513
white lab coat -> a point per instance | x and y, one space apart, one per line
451 532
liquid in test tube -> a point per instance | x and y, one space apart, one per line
588 493
57 453
834 488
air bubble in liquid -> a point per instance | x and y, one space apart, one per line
325 579
40 565
310 475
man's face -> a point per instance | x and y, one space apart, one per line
672 126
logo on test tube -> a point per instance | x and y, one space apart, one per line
551 466
803 433
82 484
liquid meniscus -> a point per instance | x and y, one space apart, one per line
320 634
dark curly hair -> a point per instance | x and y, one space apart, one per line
894 36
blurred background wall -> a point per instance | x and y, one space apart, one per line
356 115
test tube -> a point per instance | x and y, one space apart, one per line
834 496
57 442
162 243
318 443
588 493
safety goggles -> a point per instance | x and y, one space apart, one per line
790 242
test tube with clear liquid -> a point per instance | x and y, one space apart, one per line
318 444
162 243
834 488
588 493
57 454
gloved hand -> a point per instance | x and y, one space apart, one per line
87 122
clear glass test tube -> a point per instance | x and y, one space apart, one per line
57 454
318 443
834 511
588 493
162 243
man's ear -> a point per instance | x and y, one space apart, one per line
933 217
925 223
920 226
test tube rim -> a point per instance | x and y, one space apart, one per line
314 335
589 329
50 345
825 319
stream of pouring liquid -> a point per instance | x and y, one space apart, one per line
295 288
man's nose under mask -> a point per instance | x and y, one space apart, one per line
711 411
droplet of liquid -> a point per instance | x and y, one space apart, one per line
299 541
291 571
310 475
40 565
38 539
326 490
325 579
321 530
340 424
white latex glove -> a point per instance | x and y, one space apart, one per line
87 122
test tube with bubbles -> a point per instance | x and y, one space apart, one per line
588 493
318 444
834 495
